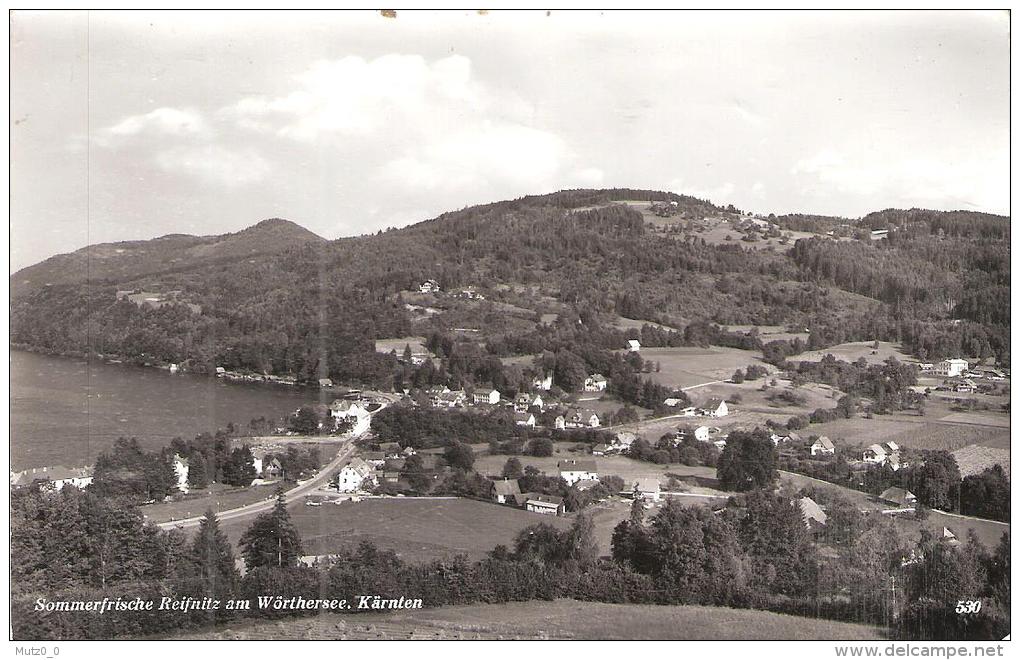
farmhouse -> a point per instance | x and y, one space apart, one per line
506 491
595 383
560 422
814 517
577 419
542 383
600 449
623 440
352 411
823 446
429 286
450 399
572 470
374 458
53 478
272 469
881 454
545 504
715 408
951 368
524 419
354 475
647 489
898 496
633 345
390 449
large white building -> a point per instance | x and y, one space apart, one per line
951 368
573 471
360 418
353 476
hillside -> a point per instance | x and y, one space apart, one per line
577 259
560 619
128 260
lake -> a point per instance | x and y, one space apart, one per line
66 411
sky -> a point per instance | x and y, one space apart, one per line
132 125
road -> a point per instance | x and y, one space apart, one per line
321 477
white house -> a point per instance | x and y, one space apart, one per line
353 476
578 419
524 419
647 489
486 396
950 368
53 478
360 418
702 434
715 408
672 403
560 422
875 454
537 403
542 383
546 504
633 345
572 470
506 491
429 286
595 383
823 446
180 466
623 440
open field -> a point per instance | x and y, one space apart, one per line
417 529
769 332
559 619
685 366
520 360
924 433
417 345
624 323
218 500
853 351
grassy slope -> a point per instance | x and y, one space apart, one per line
561 619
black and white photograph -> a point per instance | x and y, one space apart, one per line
415 325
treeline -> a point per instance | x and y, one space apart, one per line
755 553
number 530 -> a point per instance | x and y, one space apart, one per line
968 606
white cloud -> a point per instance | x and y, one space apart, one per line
418 126
720 194
164 121
215 164
910 181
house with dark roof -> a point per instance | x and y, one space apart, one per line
901 497
550 505
715 407
506 491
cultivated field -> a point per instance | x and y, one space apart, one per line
417 345
853 351
217 499
559 619
624 323
687 366
417 529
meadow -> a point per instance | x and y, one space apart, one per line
687 366
558 619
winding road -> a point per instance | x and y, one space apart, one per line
302 488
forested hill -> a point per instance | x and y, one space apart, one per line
277 299
127 260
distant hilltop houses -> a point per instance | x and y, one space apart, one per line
468 292
52 478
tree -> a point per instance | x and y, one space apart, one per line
198 471
305 421
272 539
213 557
748 461
738 376
512 469
239 470
414 474
936 481
459 455
773 535
540 447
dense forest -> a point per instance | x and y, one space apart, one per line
310 308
